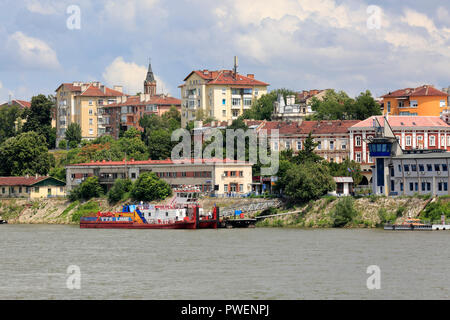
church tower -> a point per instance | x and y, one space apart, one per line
150 82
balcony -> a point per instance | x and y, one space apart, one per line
193 97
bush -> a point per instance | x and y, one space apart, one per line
84 210
386 217
344 212
62 144
148 187
73 144
434 210
90 188
119 189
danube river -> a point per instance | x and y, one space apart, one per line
221 264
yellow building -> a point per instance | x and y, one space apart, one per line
78 102
31 187
222 95
422 101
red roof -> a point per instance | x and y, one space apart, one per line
425 90
313 127
91 91
24 104
160 100
404 121
144 162
20 181
226 77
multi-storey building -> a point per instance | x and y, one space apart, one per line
422 101
78 102
412 133
332 137
222 95
406 172
210 175
127 112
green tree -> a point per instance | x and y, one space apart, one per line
148 187
132 133
344 212
8 117
88 189
119 189
58 173
24 154
39 118
307 154
62 144
160 144
73 133
346 168
305 182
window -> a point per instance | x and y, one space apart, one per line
90 112
241 188
256 92
408 141
225 188
445 186
224 90
389 107
224 101
432 141
344 146
411 186
416 186
133 175
91 122
406 166
358 157
358 141
440 186
442 103
401 104
423 186
319 145
275 146
247 102
428 186
421 168
288 145
91 131
36 189
224 113
233 173
236 102
401 186
392 185
90 102
399 168
3 190
444 167
414 104
429 167
442 141
436 167
299 145
235 113
413 168
331 145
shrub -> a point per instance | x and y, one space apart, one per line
344 212
385 216
148 187
86 209
119 189
62 144
90 188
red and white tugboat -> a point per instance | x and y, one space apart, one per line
183 212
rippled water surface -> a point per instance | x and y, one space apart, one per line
222 264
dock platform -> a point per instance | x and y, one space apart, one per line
238 223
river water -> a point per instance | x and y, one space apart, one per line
221 264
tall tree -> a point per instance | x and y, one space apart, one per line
39 118
9 115
73 133
26 153
262 108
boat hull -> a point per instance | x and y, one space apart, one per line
408 227
132 225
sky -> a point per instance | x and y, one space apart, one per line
350 45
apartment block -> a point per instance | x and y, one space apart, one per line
78 102
421 101
222 95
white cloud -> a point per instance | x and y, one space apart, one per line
126 12
40 7
32 52
130 75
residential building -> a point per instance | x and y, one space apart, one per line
19 103
332 137
222 95
412 133
78 102
127 112
407 172
289 110
31 187
210 175
422 101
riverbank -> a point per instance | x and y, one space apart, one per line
328 212
367 212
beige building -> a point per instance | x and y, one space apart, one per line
78 102
31 187
222 95
210 175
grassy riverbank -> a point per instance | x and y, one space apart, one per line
365 212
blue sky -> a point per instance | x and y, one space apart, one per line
303 44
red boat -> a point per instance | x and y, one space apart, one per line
183 212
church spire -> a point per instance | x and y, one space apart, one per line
150 82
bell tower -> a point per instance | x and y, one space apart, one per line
150 82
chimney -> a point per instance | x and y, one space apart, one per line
123 99
118 88
251 76
103 89
236 64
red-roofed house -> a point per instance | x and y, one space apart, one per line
222 94
422 101
79 102
31 187
19 103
